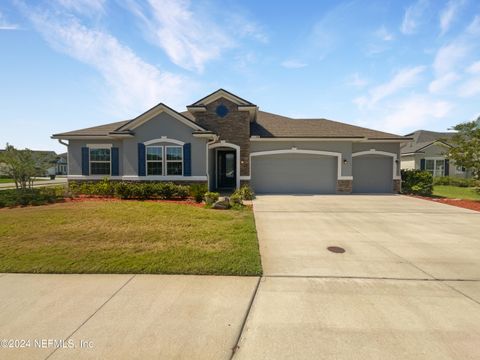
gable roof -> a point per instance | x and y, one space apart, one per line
218 94
425 138
125 127
268 125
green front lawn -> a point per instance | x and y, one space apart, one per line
455 192
128 237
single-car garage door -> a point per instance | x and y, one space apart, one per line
294 174
372 174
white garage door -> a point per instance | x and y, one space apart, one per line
372 174
294 174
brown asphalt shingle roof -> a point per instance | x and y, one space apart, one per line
270 125
101 130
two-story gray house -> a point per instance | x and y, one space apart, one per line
225 141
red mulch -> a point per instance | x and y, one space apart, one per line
83 198
467 204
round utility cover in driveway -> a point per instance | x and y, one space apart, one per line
372 174
294 174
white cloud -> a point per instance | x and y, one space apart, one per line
470 88
84 7
448 56
402 79
413 16
474 27
189 34
133 84
293 64
383 34
357 80
474 68
414 112
448 14
442 82
6 25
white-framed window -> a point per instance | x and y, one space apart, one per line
100 161
436 167
174 160
460 169
154 160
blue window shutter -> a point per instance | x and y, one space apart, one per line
422 164
141 159
447 167
85 161
187 159
115 161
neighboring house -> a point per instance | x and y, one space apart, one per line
428 151
225 141
61 166
42 157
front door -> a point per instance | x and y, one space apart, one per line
226 174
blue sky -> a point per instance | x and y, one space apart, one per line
390 65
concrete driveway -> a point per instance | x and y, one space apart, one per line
407 286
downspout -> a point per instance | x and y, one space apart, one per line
212 141
68 162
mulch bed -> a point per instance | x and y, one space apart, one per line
467 204
83 198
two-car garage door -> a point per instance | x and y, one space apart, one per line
294 174
300 173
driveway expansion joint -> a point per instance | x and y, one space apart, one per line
247 313
365 278
94 313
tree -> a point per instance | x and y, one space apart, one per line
466 146
21 165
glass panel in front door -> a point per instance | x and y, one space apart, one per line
229 165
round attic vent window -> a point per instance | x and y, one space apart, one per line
221 110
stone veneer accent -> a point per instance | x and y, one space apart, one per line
233 128
397 186
344 186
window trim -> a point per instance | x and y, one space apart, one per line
435 159
156 161
90 148
173 161
164 160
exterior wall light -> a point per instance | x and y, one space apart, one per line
345 161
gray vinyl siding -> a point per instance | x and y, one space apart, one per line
75 153
164 125
161 125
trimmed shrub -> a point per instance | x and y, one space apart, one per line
211 197
35 196
236 199
245 192
198 191
417 182
455 181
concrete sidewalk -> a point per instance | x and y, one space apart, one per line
124 316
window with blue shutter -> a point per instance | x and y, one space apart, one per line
141 159
187 159
422 164
85 161
115 162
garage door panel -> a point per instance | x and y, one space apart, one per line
372 174
294 173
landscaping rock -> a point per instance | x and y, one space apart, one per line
222 204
